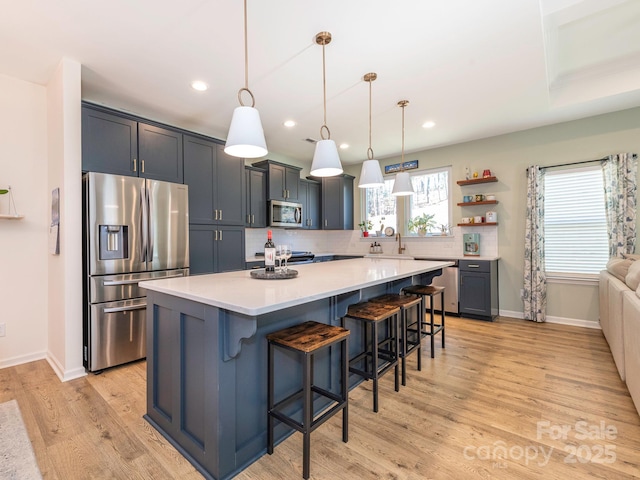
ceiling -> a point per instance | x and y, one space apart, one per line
476 69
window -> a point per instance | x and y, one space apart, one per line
431 196
575 226
380 206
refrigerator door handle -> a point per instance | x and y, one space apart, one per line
144 229
138 306
151 225
111 283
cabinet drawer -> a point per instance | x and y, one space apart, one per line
475 265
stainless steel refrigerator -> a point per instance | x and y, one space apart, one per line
134 229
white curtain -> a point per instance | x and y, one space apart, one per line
620 178
535 281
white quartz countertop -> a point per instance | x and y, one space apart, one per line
239 292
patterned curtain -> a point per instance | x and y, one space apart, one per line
535 281
620 174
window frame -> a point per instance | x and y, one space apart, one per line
407 204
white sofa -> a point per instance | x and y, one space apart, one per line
620 319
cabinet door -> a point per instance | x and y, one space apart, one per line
201 249
292 184
199 173
277 182
332 203
257 197
160 153
312 211
229 188
475 293
109 143
229 249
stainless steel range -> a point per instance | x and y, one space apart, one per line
134 229
297 257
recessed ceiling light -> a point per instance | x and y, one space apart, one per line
344 145
289 123
199 86
429 124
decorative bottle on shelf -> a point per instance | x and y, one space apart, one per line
269 254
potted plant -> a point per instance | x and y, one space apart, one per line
365 226
421 224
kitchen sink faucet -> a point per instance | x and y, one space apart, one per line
401 249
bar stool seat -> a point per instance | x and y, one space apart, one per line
378 355
307 339
410 331
430 328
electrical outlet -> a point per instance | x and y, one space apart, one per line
3 329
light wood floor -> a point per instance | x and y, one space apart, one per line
491 405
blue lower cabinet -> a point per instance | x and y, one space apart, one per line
479 289
216 248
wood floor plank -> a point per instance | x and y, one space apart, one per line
486 407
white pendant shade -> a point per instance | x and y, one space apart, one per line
370 175
246 136
326 161
402 185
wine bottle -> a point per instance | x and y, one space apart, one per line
269 254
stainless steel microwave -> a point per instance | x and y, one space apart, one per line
285 214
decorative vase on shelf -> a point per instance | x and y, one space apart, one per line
422 232
365 234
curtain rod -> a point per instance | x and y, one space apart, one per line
578 163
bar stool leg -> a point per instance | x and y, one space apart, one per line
345 391
421 319
403 317
374 347
306 415
396 330
270 389
432 315
442 318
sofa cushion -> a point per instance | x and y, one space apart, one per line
619 267
633 276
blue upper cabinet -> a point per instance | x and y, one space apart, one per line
283 181
216 183
109 143
118 144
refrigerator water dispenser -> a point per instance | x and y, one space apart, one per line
114 242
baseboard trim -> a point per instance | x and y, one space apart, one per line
574 322
32 357
64 375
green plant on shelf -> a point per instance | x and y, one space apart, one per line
365 225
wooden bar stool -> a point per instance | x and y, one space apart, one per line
430 328
378 355
306 340
410 331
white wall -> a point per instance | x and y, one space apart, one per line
23 243
64 271
508 156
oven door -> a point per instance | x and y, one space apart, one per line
117 333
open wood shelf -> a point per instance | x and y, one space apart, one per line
474 181
485 202
483 224
11 217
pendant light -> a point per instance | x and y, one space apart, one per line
246 136
326 161
370 175
402 184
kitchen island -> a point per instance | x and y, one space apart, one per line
206 349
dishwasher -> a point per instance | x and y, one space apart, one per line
448 280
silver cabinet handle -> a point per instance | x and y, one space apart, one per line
215 239
125 309
473 265
220 215
220 235
325 222
248 218
215 213
135 165
253 218
142 165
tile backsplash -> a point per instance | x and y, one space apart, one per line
351 241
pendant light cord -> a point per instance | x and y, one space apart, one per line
246 64
370 150
324 98
402 104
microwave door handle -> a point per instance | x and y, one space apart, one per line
298 215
